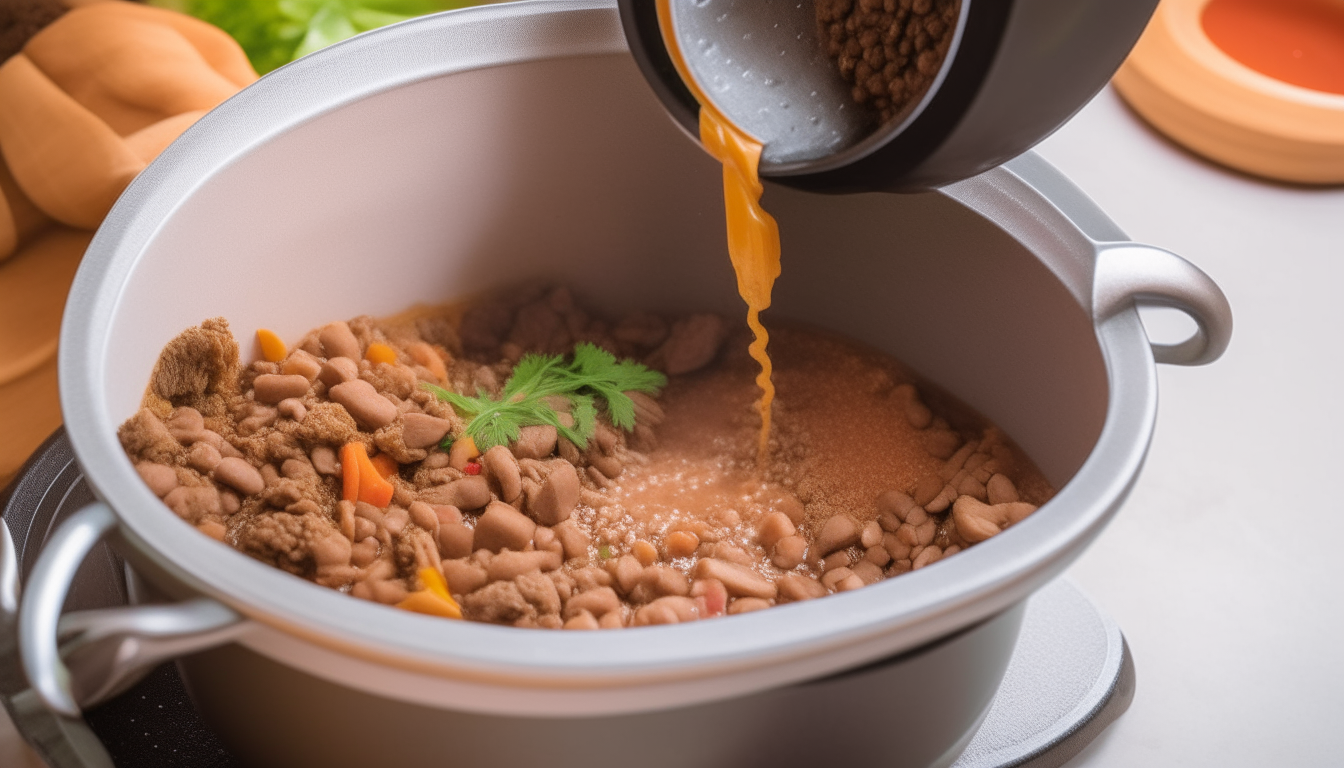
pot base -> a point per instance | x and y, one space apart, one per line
1070 676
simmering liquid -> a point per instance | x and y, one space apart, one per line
753 235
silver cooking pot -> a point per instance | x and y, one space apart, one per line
440 157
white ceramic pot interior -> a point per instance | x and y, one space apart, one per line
435 188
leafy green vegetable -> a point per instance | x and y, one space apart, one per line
604 552
592 373
275 32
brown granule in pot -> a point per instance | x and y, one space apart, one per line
889 50
869 474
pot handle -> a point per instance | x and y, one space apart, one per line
104 648
1128 274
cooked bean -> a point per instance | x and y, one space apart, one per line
943 500
160 478
692 344
300 363
832 578
957 461
332 549
186 425
370 409
229 503
558 495
681 544
850 582
502 468
772 528
574 540
420 430
839 532
582 620
203 457
871 535
738 580
655 614
395 520
789 552
338 370
927 489
871 574
644 552
791 506
835 560
503 527
467 493
662 580
424 516
598 601
795 586
509 565
877 555
271 388
324 460
339 341
930 555
239 475
747 605
535 442
974 520
916 516
213 529
191 504
610 467
364 551
969 486
894 503
1000 490
941 443
918 414
369 512
613 620
463 576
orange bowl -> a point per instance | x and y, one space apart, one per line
1253 112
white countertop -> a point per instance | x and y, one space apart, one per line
1224 568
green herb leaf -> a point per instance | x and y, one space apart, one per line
592 373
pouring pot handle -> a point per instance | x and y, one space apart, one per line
88 656
1129 273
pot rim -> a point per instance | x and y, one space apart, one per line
1064 229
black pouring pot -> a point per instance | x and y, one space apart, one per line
1015 71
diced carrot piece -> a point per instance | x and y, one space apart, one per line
428 357
464 450
350 454
434 599
386 465
272 348
373 487
380 353
432 604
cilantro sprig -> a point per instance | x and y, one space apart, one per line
592 374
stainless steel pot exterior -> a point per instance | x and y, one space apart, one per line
443 156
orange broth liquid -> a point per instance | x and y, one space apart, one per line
753 235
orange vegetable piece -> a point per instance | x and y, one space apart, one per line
350 471
434 599
272 348
380 353
360 480
425 355
386 465
373 487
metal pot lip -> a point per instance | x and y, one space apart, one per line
903 613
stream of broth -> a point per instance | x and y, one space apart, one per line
753 235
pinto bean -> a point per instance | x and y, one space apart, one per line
894 503
667 610
395 520
837 559
789 552
509 565
558 496
203 457
795 586
339 341
186 425
301 363
364 552
324 459
871 535
160 478
370 409
338 370
740 581
1000 490
502 467
747 605
239 475
662 580
598 601
877 555
772 528
271 388
503 527
191 504
463 576
332 549
870 573
840 532
582 620
573 538
832 578
681 544
424 516
930 555
535 442
420 430
467 493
